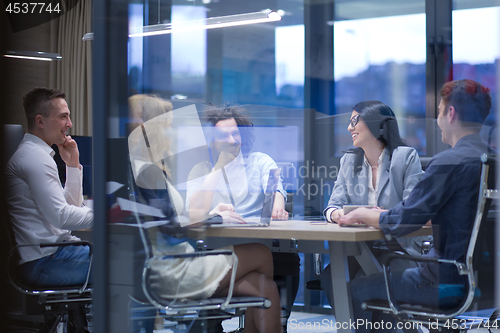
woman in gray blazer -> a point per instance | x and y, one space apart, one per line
380 171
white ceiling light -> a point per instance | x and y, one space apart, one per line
33 55
209 23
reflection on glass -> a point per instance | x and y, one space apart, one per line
476 51
290 60
375 61
189 53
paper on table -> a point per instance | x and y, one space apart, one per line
139 208
112 187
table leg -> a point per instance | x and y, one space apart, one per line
341 293
367 260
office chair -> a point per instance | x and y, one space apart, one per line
188 312
447 309
67 305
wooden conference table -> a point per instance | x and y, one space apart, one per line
307 237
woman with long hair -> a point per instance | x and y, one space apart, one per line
380 171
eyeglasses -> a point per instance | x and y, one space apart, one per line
354 120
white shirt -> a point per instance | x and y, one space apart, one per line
247 181
41 210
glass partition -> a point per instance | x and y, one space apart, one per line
162 144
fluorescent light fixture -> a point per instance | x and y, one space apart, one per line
33 55
209 23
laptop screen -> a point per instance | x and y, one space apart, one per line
272 186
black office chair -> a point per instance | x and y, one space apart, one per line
448 293
68 305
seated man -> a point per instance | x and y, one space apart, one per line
41 210
238 178
447 195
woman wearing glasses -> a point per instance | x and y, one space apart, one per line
381 171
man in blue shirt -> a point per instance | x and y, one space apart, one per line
446 195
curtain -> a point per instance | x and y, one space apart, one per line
74 71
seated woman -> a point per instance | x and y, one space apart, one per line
198 277
381 171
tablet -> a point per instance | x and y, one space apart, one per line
350 208
362 225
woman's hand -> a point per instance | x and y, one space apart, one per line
368 216
336 215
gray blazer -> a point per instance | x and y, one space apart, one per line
397 178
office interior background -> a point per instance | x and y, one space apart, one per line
297 77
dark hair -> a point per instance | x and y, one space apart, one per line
38 102
381 122
471 100
215 114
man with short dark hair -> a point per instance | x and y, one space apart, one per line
447 194
41 210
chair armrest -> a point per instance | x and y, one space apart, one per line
195 254
82 242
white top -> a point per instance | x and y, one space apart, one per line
41 210
372 192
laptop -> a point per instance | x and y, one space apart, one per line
267 207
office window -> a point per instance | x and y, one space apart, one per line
476 52
290 61
189 55
381 55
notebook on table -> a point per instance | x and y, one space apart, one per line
267 207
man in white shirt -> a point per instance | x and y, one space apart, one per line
40 209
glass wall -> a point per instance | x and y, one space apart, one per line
296 80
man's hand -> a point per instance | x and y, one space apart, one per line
69 152
367 216
226 211
224 159
222 207
279 214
